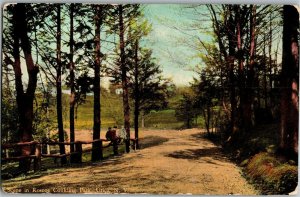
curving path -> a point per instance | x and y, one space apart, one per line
170 162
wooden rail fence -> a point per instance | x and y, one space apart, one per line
36 150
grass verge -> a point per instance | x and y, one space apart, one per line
255 152
271 174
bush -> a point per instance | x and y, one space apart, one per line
276 177
286 178
55 136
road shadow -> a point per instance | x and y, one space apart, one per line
59 169
151 141
214 138
203 136
195 154
199 135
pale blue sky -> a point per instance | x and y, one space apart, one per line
169 43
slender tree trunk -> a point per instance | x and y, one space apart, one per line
276 57
248 112
143 120
230 60
241 77
289 83
123 68
8 93
48 131
72 85
137 94
58 88
208 119
270 52
24 100
97 151
265 73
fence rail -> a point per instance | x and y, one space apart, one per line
36 153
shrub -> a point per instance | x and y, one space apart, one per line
275 176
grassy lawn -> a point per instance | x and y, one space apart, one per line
164 119
112 114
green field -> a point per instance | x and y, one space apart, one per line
165 119
112 114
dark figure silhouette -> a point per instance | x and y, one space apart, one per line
111 135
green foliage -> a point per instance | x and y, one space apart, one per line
263 138
44 119
206 100
276 176
9 118
164 119
148 85
185 110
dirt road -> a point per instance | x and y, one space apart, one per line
170 162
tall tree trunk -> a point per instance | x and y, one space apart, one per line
230 60
265 72
188 122
248 111
207 119
270 52
289 82
9 95
48 131
97 151
72 85
58 87
24 100
241 77
143 119
137 94
123 68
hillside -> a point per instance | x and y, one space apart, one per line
112 114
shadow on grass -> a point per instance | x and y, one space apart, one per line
51 165
200 135
151 141
59 169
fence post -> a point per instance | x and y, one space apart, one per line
101 148
97 153
37 159
78 149
134 144
115 147
137 145
74 158
25 163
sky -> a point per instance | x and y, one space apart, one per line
174 39
171 33
168 43
165 40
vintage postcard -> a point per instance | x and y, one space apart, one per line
198 99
